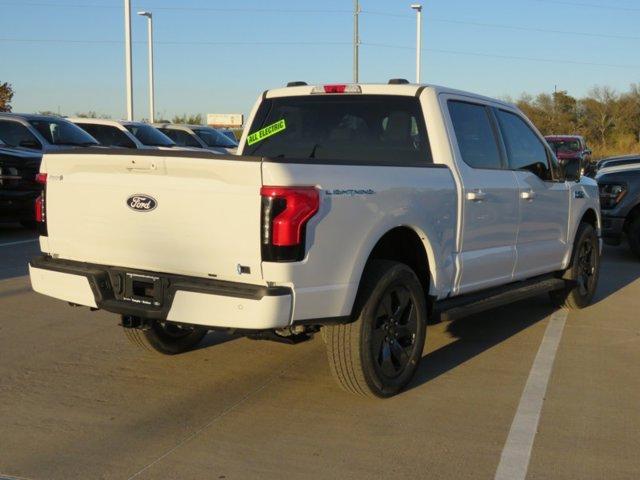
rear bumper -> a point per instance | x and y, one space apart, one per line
183 299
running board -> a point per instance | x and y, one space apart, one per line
475 302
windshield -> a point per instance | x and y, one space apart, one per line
150 136
213 138
61 132
365 129
565 146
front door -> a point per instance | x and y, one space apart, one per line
489 199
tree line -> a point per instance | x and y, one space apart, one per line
609 120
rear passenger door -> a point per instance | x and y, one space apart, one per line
543 200
489 198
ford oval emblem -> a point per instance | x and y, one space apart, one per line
141 202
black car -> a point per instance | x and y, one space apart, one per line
619 184
18 186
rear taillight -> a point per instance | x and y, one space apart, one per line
285 213
40 205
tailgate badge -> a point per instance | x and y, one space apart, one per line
141 202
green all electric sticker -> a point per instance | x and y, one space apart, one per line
265 132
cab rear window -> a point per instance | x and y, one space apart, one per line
366 129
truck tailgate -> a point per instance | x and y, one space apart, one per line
194 215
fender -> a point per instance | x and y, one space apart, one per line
441 273
584 196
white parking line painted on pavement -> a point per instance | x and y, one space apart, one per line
18 242
514 461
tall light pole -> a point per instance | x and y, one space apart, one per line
356 39
150 54
418 8
127 58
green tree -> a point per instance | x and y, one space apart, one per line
6 95
91 114
49 113
192 119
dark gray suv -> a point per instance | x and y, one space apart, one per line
619 184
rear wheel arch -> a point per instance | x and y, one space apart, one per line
405 245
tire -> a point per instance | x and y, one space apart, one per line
378 354
633 236
164 338
582 274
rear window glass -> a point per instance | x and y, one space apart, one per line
368 129
108 135
181 138
149 135
213 138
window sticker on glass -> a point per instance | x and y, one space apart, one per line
267 131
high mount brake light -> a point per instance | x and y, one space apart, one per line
336 88
285 213
40 205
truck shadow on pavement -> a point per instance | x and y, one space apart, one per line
214 338
477 333
619 268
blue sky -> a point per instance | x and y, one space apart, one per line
217 56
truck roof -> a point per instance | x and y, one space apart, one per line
405 89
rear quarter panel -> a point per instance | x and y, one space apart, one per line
359 204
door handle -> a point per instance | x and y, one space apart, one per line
528 195
476 195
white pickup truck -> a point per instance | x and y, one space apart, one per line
359 210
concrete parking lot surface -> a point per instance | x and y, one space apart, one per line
77 401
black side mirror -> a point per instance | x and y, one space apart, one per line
572 169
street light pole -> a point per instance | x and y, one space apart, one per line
127 58
356 39
149 16
418 8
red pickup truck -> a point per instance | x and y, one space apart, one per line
569 147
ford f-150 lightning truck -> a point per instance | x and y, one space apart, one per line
362 211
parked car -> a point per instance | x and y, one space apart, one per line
229 134
199 136
124 134
41 132
569 147
614 161
344 215
619 184
18 185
